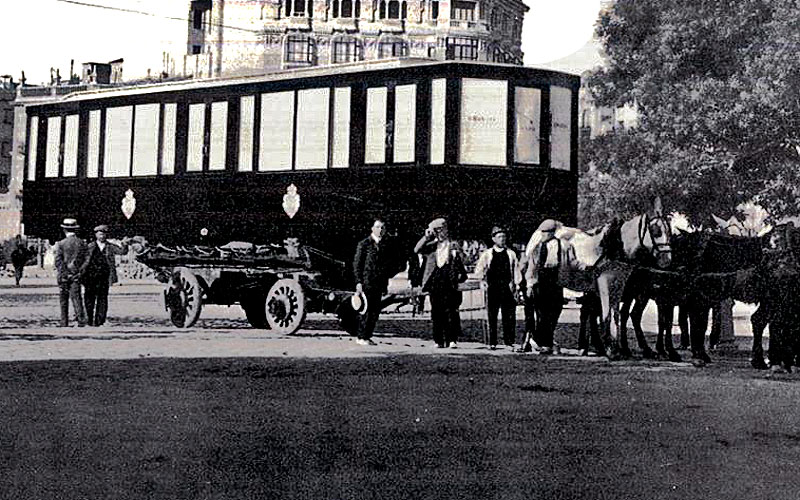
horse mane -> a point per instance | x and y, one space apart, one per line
612 241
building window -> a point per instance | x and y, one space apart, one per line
300 49
463 11
392 9
346 8
197 19
8 116
347 49
494 19
299 8
465 49
196 49
435 10
393 47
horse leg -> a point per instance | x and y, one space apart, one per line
610 345
698 317
683 324
758 321
663 328
636 319
624 312
665 325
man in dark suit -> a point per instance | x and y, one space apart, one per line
70 257
374 264
99 273
444 270
19 257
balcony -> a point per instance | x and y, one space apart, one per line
297 23
391 25
344 23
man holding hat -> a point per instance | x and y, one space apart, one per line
543 285
499 273
444 270
374 264
70 257
99 273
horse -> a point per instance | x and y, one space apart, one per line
603 259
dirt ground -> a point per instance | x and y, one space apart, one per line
140 410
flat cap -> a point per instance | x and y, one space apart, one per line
497 229
437 223
101 227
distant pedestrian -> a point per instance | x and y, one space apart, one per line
444 270
70 257
528 343
542 280
498 270
376 261
99 273
19 257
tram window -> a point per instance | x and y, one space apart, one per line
312 128
168 146
197 125
93 153
375 148
483 122
117 147
32 148
219 135
405 117
275 140
528 116
341 127
71 146
53 153
560 128
246 121
145 140
438 94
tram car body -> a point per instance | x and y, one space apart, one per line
313 154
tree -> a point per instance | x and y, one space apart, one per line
715 86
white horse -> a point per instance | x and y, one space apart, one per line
601 260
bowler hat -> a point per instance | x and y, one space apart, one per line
358 301
101 227
70 223
547 226
497 229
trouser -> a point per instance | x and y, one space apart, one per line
18 273
549 297
445 316
70 289
367 322
96 299
590 322
501 299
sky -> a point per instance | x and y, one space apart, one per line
40 34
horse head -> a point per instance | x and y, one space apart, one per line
652 234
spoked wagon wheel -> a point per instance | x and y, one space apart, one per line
285 306
184 298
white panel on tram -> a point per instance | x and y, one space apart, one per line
277 119
484 123
93 152
247 113
375 147
341 128
117 147
313 110
405 119
53 146
561 127
168 139
219 135
71 146
438 100
145 139
528 119
197 125
32 148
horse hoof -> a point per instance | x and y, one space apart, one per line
701 356
759 364
674 357
699 363
613 355
625 353
648 354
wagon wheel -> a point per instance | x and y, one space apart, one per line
184 298
285 306
255 310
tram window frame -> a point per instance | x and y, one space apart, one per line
113 137
405 124
69 163
218 136
247 130
33 145
561 144
55 147
93 144
169 131
479 151
537 152
145 152
196 148
312 115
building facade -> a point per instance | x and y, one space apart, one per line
227 38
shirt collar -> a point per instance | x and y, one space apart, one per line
376 240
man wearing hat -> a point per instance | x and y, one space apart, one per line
70 257
499 273
99 273
444 270
374 264
542 279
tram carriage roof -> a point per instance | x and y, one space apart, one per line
289 74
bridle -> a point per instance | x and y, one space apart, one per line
645 227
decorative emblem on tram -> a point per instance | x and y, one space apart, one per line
128 204
291 201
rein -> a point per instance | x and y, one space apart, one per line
644 229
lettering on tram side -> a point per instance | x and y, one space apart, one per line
291 201
128 204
